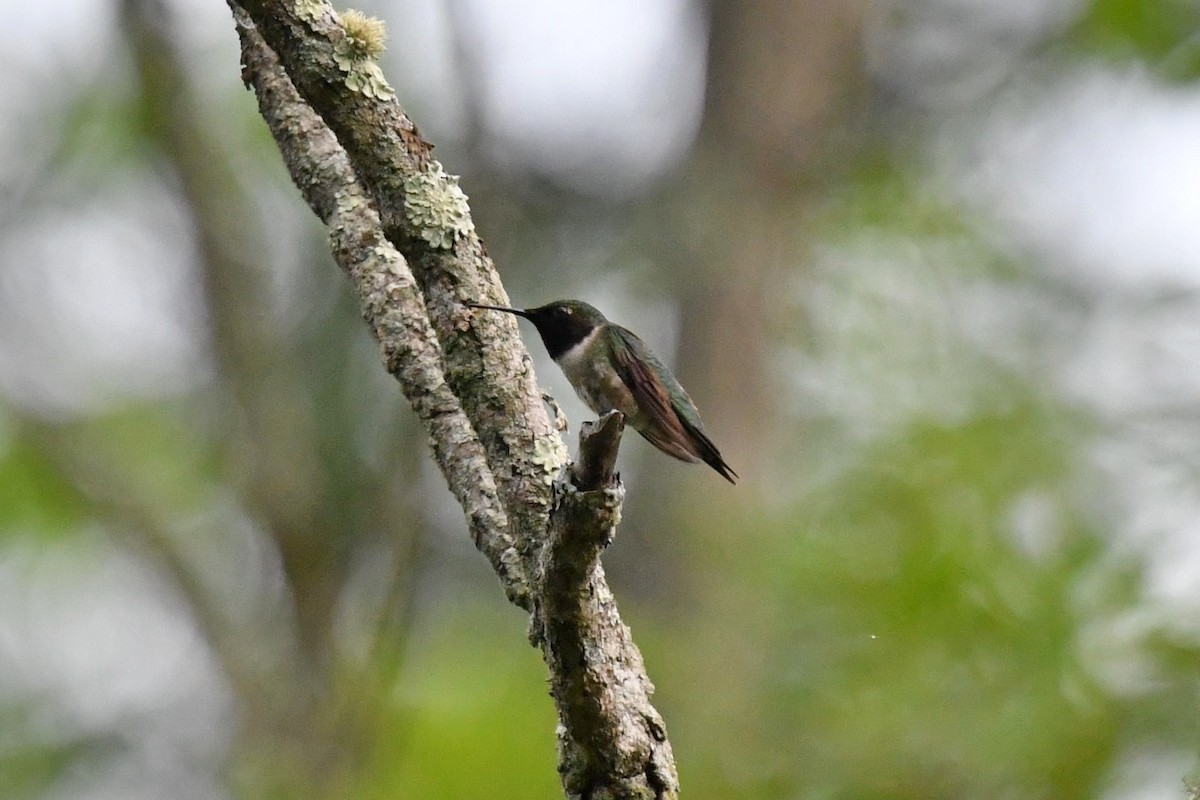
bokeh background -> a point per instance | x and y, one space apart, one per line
931 270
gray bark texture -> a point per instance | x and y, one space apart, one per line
398 231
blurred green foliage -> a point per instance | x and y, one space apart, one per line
898 635
1163 34
35 497
486 711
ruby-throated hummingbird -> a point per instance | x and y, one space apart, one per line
611 368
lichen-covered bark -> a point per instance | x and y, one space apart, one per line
612 741
483 361
469 380
390 300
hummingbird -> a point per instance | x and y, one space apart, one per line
609 367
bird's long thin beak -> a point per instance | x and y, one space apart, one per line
519 312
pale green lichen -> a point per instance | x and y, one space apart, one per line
614 499
437 207
364 39
350 199
549 453
365 35
310 10
365 77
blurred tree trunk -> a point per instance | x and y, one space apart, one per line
284 424
784 77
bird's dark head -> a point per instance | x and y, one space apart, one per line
562 324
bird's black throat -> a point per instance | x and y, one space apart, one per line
561 329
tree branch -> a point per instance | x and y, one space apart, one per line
391 302
599 443
612 742
423 213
